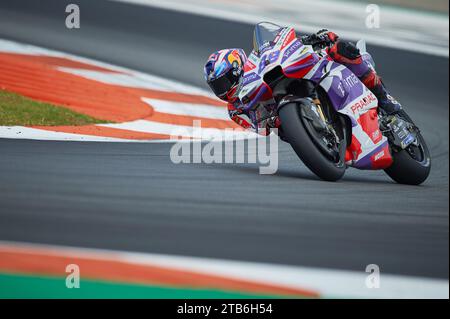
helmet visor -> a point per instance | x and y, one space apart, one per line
223 84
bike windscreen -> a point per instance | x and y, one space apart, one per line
264 35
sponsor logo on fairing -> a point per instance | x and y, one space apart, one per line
363 103
287 38
351 80
379 155
291 50
250 78
266 47
376 135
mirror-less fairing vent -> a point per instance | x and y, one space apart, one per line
274 76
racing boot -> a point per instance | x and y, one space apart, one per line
386 101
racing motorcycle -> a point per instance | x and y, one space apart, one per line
346 129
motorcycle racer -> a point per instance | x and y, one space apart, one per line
224 74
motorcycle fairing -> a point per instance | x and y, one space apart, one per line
288 52
369 149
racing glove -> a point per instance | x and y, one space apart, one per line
323 38
237 114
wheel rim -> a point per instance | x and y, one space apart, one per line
335 153
418 152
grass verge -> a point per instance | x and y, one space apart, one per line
18 286
17 110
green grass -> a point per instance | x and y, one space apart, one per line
16 110
14 286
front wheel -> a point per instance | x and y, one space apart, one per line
300 131
412 165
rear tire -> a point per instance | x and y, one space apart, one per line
407 170
297 135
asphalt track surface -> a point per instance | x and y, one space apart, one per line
131 197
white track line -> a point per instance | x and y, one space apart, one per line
137 80
179 130
329 283
21 132
400 29
188 109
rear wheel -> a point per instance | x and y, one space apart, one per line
313 145
412 165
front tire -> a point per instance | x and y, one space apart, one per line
296 134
